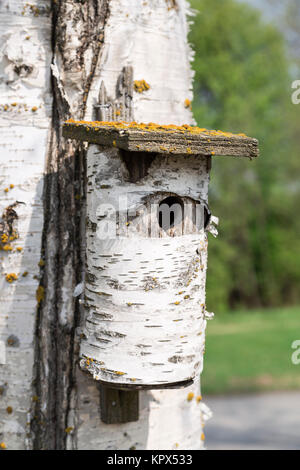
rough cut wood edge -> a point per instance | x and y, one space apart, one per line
118 406
160 139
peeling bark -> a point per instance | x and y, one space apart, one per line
25 111
172 140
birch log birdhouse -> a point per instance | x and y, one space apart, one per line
147 222
146 251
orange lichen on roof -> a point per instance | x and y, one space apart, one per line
13 236
152 127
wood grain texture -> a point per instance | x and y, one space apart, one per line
118 406
162 139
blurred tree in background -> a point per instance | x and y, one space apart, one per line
243 84
288 21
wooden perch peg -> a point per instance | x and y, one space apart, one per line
118 406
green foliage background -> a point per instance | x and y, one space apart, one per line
243 84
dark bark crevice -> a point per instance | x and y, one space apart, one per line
62 242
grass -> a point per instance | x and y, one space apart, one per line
251 352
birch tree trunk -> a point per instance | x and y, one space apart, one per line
53 58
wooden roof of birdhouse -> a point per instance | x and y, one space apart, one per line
164 139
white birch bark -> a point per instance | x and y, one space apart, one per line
25 110
150 36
